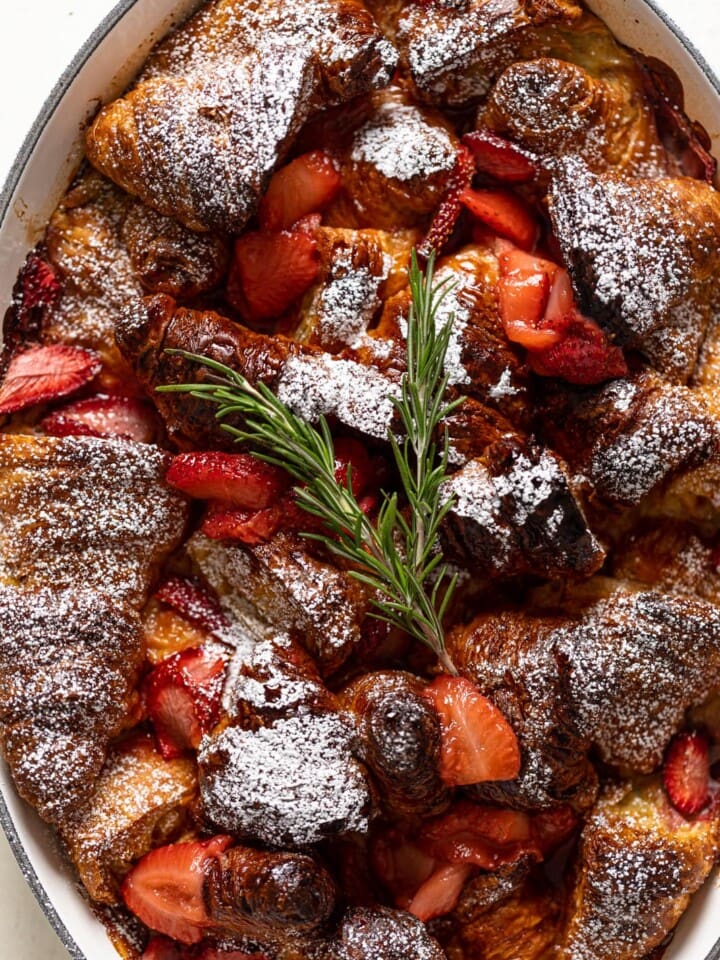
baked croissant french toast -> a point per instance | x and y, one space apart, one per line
359 460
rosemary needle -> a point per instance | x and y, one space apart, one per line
398 555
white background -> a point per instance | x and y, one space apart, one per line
38 38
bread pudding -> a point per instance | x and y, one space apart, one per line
213 686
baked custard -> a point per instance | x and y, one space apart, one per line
360 472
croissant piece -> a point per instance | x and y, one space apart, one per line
553 108
397 165
515 512
381 934
222 99
69 660
453 50
639 864
631 437
290 590
86 513
399 741
287 785
141 801
268 896
644 256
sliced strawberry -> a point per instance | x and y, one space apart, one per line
103 416
686 772
550 828
583 354
499 158
400 865
272 271
449 211
236 478
165 888
506 213
351 456
479 835
440 893
522 304
182 697
223 521
304 186
36 294
194 601
478 743
39 374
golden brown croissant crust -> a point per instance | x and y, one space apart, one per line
220 102
68 664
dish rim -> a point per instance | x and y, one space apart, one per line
55 97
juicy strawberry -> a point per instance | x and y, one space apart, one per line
39 374
583 355
449 211
273 270
238 479
440 893
307 184
194 601
481 836
506 213
401 865
499 158
182 697
165 888
222 521
36 294
686 772
550 828
522 307
162 948
103 416
351 456
478 743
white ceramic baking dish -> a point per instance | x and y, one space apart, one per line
42 171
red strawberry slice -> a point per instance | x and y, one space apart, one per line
522 304
103 416
351 458
499 158
686 772
550 828
400 865
506 213
272 271
182 698
165 888
194 601
439 895
304 186
449 211
583 355
478 743
236 478
36 294
39 374
223 521
482 836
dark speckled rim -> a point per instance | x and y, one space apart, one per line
24 154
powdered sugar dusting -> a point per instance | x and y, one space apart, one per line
293 783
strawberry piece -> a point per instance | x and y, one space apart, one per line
448 213
102 416
686 772
165 888
440 893
194 601
272 271
238 479
352 458
506 213
222 521
481 836
36 294
39 374
583 355
162 948
522 306
478 743
401 865
304 186
182 698
550 828
499 158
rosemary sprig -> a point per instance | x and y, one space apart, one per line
398 557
